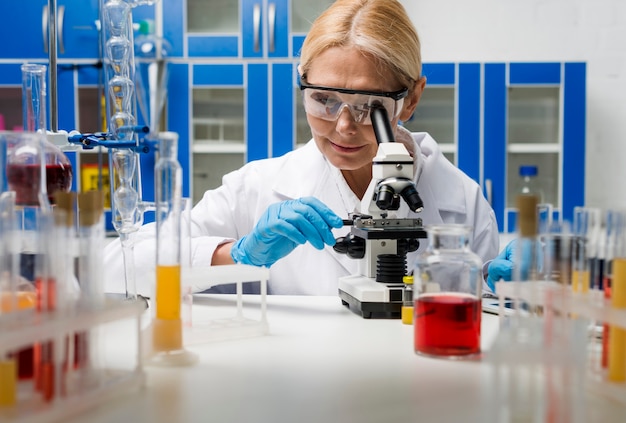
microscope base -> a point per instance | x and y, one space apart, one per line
371 299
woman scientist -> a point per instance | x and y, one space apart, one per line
286 212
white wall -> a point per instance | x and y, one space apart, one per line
593 31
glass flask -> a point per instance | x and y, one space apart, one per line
23 167
26 152
447 287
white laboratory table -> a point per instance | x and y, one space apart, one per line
319 363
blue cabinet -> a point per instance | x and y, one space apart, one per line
491 118
27 35
534 113
238 28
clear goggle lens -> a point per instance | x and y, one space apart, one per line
328 105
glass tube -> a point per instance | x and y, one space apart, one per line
125 179
34 97
167 339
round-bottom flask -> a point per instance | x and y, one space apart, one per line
447 288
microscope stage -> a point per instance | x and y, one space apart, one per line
371 299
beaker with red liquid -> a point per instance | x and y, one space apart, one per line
448 289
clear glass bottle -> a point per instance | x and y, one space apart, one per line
448 289
528 174
527 246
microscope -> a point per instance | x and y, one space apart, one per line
377 238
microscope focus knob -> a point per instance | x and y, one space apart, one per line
351 245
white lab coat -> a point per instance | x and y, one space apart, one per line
231 211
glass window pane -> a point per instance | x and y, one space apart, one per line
533 115
435 114
304 12
218 115
213 16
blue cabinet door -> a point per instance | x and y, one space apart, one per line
21 32
550 131
25 29
263 31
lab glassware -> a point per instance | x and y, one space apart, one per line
167 333
448 285
34 97
151 74
22 167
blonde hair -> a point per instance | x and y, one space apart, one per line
380 28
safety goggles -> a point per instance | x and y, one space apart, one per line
328 103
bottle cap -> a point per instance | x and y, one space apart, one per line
407 279
528 170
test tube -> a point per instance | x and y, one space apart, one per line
8 295
580 264
34 97
91 241
614 230
46 287
167 334
617 334
186 261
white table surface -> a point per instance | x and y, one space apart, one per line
319 363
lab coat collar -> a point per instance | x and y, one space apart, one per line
439 179
317 178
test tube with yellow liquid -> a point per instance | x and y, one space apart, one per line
617 334
167 326
581 275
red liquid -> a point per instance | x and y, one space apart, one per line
24 180
25 363
44 351
447 324
81 350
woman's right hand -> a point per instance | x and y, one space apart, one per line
283 227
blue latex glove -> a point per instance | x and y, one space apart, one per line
502 266
283 227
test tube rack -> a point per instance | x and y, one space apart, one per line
107 380
233 325
563 337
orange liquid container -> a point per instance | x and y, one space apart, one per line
8 382
22 299
8 367
168 327
580 281
168 292
617 337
